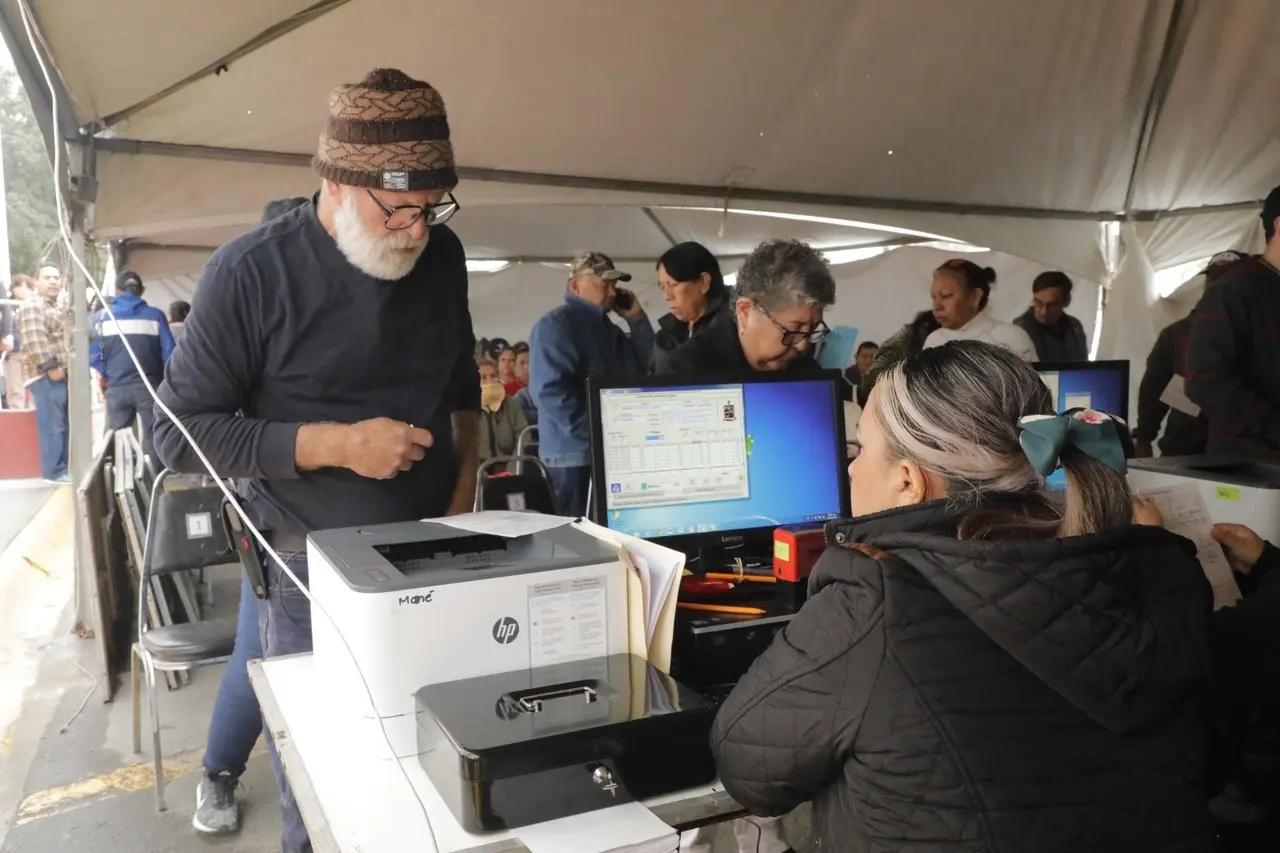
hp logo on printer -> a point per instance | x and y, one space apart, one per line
505 630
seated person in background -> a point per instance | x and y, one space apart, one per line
776 320
863 359
501 418
693 286
979 665
517 375
1185 434
525 398
506 362
178 311
1056 334
903 343
960 292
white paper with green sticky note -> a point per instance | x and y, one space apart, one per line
1227 493
1186 514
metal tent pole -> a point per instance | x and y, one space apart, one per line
80 423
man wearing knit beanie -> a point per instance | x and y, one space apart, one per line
327 363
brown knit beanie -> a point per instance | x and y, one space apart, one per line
387 132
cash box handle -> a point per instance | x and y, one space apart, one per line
531 701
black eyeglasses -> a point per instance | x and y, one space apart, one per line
404 216
793 337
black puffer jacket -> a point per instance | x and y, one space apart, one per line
1019 696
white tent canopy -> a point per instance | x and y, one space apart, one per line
1021 126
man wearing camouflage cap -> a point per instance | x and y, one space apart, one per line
569 343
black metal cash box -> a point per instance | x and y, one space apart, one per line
523 747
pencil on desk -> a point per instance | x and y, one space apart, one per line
724 576
722 608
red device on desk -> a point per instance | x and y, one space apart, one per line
795 551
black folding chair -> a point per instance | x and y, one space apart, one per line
186 532
527 492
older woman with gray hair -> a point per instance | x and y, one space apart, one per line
783 288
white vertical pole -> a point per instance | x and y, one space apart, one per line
5 271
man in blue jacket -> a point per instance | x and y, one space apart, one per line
147 331
569 343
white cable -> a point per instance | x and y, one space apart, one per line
204 460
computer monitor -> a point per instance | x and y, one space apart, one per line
706 465
1100 385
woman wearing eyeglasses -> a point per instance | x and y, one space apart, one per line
774 324
782 290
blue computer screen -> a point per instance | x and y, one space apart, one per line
681 460
1086 385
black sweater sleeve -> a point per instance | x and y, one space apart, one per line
465 384
211 378
1221 335
1161 368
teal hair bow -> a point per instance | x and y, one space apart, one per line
1044 437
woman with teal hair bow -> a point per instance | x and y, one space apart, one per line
983 663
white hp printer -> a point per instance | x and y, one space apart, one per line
422 603
1237 490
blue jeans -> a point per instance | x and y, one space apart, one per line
285 622
237 720
51 425
569 488
126 402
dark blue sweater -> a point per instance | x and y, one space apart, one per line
287 332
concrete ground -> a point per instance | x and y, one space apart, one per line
69 779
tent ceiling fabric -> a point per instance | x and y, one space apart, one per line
1040 109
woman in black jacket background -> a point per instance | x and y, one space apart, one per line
691 283
774 322
979 666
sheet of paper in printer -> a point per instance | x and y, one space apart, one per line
1185 514
629 828
503 522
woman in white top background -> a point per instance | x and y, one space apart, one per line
960 292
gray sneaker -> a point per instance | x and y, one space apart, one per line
216 809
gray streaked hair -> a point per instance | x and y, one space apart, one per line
954 411
780 274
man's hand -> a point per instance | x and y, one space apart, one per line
634 311
6 343
1242 545
381 448
1143 450
57 374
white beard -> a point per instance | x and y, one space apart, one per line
380 256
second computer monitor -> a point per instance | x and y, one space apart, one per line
720 463
1099 385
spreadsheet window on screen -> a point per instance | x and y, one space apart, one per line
675 447
676 460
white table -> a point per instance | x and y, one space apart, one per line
355 796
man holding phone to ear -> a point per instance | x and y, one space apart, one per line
569 343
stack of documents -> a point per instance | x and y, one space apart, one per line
622 829
653 572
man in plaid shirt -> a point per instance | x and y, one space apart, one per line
43 330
